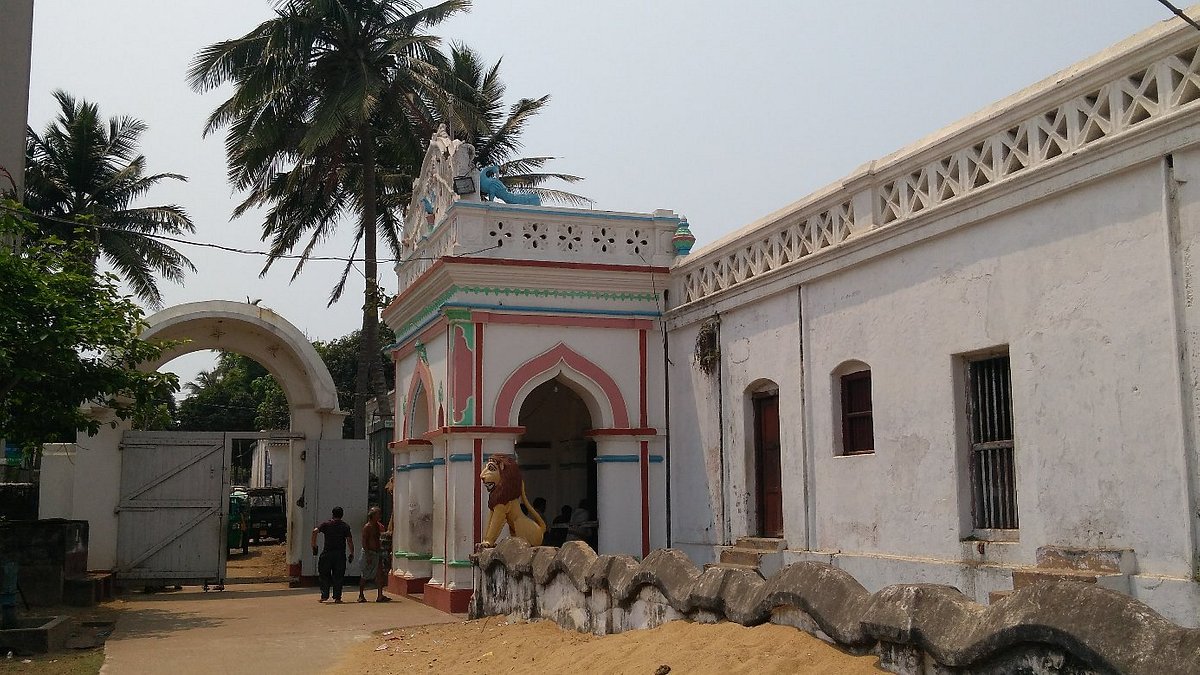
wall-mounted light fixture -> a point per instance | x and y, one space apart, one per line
464 185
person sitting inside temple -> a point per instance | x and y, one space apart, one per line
557 533
582 527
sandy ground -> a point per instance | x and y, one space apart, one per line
264 562
493 646
248 629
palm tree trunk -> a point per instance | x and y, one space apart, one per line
368 353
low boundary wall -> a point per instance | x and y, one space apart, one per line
1063 627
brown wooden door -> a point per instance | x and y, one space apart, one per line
768 469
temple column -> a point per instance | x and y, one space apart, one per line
437 560
400 519
451 590
623 477
420 512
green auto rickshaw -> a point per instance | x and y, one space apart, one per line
238 536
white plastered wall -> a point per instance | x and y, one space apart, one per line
697 516
1078 289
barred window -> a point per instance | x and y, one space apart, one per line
992 465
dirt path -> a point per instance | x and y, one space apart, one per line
264 562
493 646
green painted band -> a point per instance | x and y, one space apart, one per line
417 556
460 563
437 561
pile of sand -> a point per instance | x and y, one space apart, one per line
492 646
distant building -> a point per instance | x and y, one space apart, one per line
972 362
269 463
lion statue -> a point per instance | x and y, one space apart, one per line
501 477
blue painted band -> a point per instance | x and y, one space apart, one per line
401 467
656 459
438 461
604 459
420 465
461 457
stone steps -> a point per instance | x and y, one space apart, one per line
1024 578
754 554
761 544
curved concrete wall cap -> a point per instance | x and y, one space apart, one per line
253 331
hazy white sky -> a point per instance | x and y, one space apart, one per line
722 111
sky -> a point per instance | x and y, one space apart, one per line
720 111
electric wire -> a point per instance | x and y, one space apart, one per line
233 249
1180 13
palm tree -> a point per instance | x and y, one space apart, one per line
84 170
478 117
315 90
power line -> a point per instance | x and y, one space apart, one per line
1179 13
232 249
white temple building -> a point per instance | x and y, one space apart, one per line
972 361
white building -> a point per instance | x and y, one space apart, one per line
269 463
971 357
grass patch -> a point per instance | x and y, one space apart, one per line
74 662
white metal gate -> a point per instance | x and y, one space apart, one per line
171 514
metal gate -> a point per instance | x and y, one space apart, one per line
171 513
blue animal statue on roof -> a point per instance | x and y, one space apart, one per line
491 188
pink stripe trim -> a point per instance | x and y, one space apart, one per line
542 320
549 359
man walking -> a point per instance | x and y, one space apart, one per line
373 564
331 566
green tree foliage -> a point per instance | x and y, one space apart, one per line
341 358
82 165
67 336
240 395
480 119
315 90
237 395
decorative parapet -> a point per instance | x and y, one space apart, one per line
916 628
1143 83
503 231
434 190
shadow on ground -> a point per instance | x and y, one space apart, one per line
139 622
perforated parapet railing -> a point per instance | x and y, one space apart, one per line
515 232
1142 83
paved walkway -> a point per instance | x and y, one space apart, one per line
252 628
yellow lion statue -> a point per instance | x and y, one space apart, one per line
501 477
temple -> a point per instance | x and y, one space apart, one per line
971 362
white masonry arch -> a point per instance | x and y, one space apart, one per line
261 334
84 478
266 337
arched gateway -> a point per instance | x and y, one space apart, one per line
156 501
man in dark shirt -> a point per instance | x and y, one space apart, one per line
331 565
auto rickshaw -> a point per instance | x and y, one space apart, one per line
239 536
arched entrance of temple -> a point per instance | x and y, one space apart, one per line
558 461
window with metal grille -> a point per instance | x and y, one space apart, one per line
993 475
858 430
